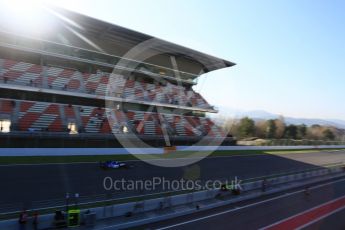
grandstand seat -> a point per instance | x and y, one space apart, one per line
39 116
42 116
6 106
22 73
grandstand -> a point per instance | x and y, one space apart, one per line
55 86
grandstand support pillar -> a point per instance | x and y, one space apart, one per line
44 77
163 128
81 80
15 113
175 67
62 115
1 65
77 116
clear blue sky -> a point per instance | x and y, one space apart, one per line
290 54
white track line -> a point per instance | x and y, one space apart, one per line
301 213
320 218
247 206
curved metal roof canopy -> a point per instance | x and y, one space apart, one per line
77 30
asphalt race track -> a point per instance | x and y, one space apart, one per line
35 186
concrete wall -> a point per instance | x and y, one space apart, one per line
76 151
112 151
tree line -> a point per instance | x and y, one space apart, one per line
246 128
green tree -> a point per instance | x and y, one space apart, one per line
328 134
246 127
291 132
301 131
271 129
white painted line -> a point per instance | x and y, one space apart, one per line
301 213
321 217
247 206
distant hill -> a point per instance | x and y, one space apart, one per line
264 115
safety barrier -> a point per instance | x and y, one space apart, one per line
119 151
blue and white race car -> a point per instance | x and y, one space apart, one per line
113 165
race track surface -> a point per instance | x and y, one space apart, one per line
34 186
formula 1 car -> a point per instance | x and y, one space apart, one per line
113 165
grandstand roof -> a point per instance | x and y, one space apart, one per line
133 38
107 36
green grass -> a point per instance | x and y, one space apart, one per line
126 157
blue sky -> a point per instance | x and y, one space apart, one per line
290 54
